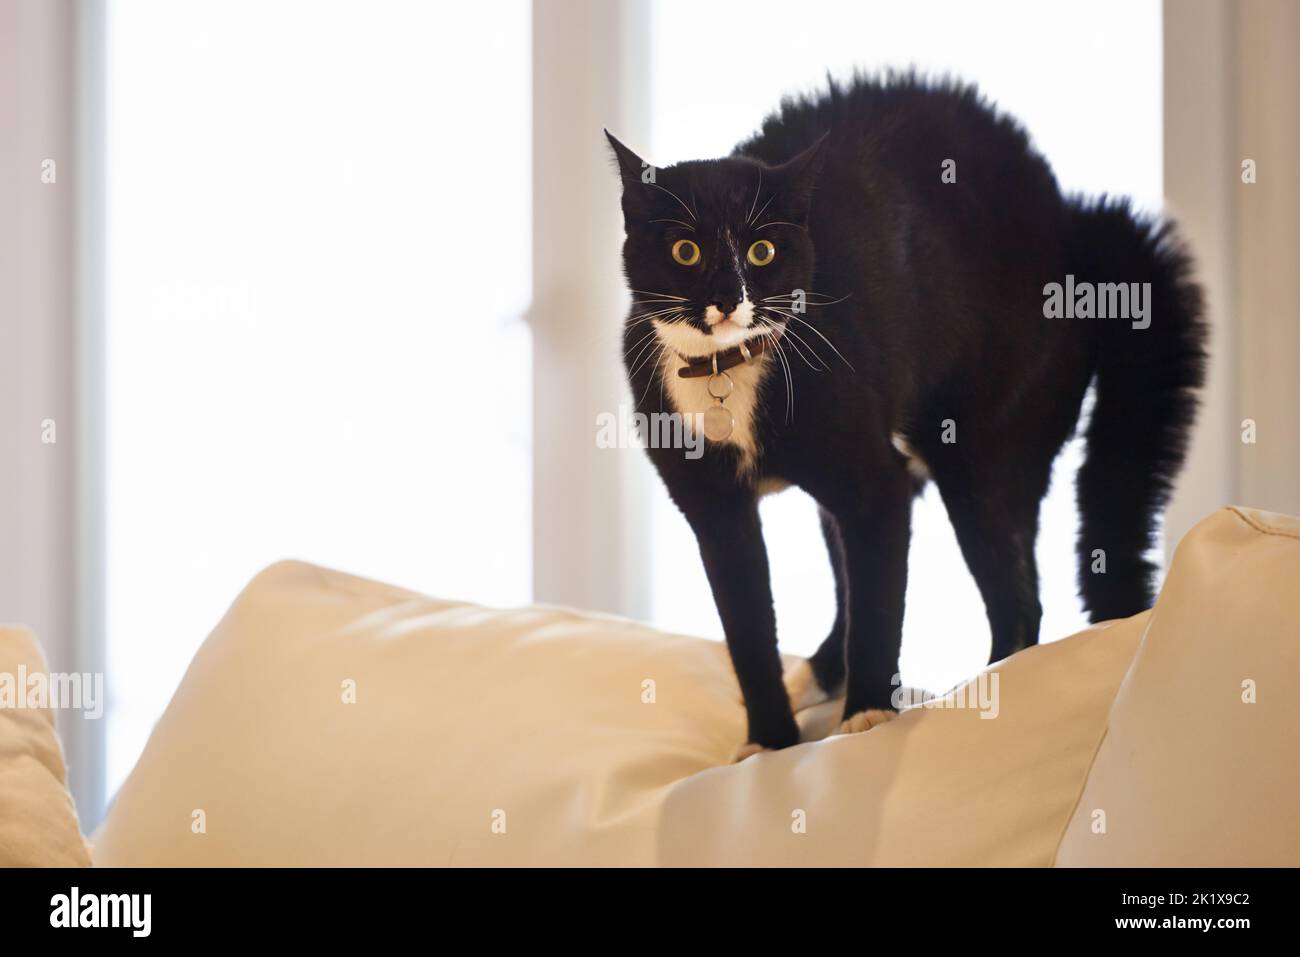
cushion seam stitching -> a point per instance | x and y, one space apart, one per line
1083 786
1260 527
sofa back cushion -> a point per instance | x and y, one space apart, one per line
1199 762
38 823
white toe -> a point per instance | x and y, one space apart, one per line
866 720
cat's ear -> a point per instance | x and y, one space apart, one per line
629 164
798 179
636 174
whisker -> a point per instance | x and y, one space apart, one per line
780 222
649 335
659 358
795 337
689 212
810 292
657 312
646 352
634 364
757 193
789 381
663 311
797 351
633 321
607 335
827 341
790 315
677 221
768 342
789 387
765 205
651 318
663 374
627 326
653 330
666 295
827 301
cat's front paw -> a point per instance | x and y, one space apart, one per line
866 720
744 751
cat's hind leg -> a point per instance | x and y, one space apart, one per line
875 531
995 516
821 677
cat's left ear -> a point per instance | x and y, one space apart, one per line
798 179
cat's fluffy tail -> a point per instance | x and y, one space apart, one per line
1146 381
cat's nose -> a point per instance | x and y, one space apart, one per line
724 304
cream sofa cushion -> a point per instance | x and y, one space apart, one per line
477 736
932 787
535 737
544 736
1199 763
38 823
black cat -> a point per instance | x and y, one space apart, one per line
885 285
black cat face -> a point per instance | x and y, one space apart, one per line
717 250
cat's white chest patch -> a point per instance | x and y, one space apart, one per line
690 397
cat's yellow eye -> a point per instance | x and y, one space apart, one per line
686 252
762 253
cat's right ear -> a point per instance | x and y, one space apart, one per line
637 176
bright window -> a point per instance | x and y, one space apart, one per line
1092 103
303 245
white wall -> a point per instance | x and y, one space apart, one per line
590 524
43 485
1268 230
1232 92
